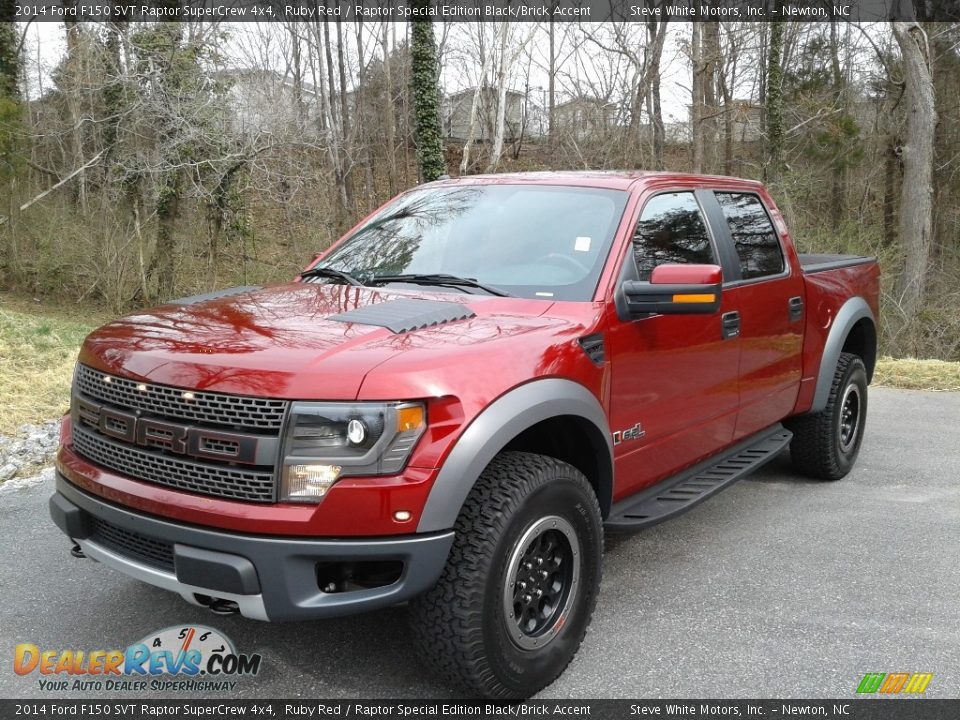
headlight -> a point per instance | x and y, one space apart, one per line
327 441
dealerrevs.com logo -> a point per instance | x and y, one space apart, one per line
178 658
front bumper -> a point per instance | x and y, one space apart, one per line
269 577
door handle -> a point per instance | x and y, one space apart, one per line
795 304
731 324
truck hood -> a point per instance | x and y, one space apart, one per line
282 342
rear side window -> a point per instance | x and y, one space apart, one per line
753 235
671 230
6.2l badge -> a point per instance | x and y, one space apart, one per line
634 433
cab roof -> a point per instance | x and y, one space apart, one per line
612 179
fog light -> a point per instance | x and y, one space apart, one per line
308 483
402 515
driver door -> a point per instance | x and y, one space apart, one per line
674 378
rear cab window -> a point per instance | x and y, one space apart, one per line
754 237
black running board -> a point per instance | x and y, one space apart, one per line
681 492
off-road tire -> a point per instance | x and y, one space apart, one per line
820 448
463 627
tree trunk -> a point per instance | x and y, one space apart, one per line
391 113
426 96
73 71
916 207
551 83
113 92
774 112
471 125
361 122
711 67
656 33
696 100
345 125
891 172
164 252
337 130
296 58
500 125
838 168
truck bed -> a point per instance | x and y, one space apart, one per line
819 262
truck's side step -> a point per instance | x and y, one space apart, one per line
680 493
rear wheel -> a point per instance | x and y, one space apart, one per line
825 445
513 603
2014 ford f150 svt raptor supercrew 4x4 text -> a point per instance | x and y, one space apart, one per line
454 402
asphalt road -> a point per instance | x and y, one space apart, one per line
778 587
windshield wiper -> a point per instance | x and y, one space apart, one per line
439 279
328 272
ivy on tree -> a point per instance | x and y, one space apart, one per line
426 96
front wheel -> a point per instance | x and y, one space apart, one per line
825 445
513 603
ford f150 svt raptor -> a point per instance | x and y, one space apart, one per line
454 402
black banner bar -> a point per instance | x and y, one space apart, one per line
486 10
841 709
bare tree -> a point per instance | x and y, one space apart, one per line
774 104
916 208
656 35
696 100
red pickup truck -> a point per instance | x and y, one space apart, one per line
454 402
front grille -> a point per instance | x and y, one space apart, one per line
234 411
199 442
150 551
213 478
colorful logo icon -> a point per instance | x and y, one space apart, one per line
894 683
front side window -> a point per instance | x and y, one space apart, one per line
671 230
753 235
534 241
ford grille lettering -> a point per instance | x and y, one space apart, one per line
161 434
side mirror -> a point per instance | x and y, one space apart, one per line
675 290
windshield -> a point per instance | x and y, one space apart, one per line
531 241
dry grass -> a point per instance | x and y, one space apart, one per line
911 374
38 348
39 344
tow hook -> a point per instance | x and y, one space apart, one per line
77 552
219 606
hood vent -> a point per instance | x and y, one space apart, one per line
400 316
194 299
593 346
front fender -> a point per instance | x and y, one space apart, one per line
508 416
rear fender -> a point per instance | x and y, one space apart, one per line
853 311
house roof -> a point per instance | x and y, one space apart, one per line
472 90
271 75
585 100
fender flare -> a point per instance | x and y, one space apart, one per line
504 419
853 311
